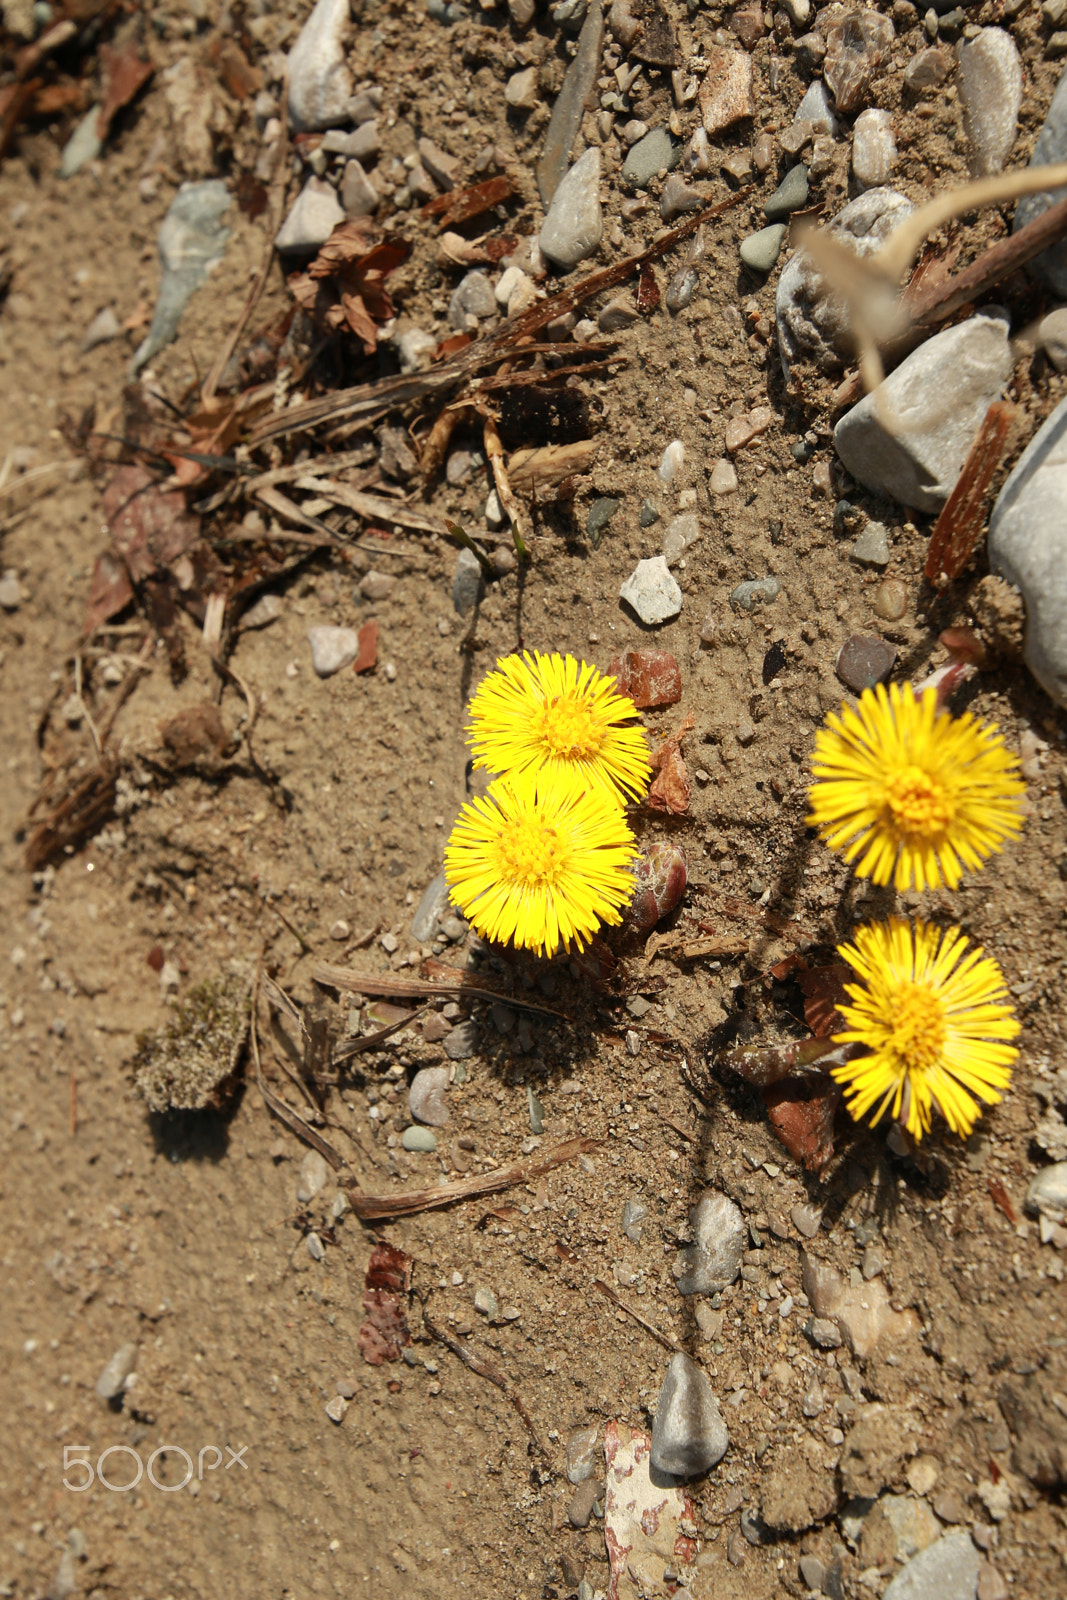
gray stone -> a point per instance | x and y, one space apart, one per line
1052 337
468 585
806 1220
616 314
377 586
634 1213
1050 147
314 1176
112 1381
600 514
1028 546
521 90
927 70
812 1571
678 197
443 168
462 1042
1047 1194
359 197
332 649
813 1402
864 660
361 143
910 438
426 1097
824 1333
337 1408
582 1453
192 238
486 1304
874 149
689 1434
681 289
817 110
945 1570
682 531
652 592
419 1140
83 146
583 1500
991 92
431 910
569 109
754 592
574 225
10 592
713 1260
319 81
790 195
813 323
872 546
104 327
656 152
761 250
313 216
472 297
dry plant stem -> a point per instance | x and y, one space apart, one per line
377 508
376 1207
485 1369
902 246
278 1106
341 462
609 1293
372 1041
89 723
283 507
351 981
495 451
960 524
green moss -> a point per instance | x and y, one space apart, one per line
192 1062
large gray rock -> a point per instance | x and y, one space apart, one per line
945 1570
1028 546
713 1260
991 91
1050 146
910 438
689 1434
574 225
812 323
569 109
319 80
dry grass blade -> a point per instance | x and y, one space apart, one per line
285 508
376 507
484 1369
495 452
79 812
376 1207
617 1300
962 519
278 1106
371 1041
448 981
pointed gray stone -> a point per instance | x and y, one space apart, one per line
467 584
1050 146
83 146
192 238
713 1260
431 910
575 224
313 216
945 1570
689 1434
569 109
112 1380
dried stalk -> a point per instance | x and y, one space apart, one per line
375 1207
495 451
616 1300
485 1369
452 981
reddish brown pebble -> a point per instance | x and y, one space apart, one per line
864 660
368 648
649 677
662 874
890 599
155 958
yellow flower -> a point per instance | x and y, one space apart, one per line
543 870
916 792
932 1020
562 723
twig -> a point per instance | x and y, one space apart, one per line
279 1107
495 451
342 462
957 528
369 1207
371 506
284 920
86 713
609 1293
387 984
371 1041
485 1369
280 503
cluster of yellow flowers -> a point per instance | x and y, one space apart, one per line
913 795
544 858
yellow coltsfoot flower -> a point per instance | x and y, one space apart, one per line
909 792
561 723
543 869
933 1018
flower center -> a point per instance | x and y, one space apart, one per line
918 1032
567 727
529 853
918 802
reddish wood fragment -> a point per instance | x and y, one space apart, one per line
824 991
236 71
648 677
647 289
367 658
786 967
156 958
801 1112
1002 1200
960 525
462 204
110 591
125 73
149 526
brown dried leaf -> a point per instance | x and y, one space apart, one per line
962 520
110 592
670 790
461 204
529 470
802 1115
125 73
150 527
824 991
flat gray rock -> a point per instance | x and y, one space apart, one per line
713 1260
319 80
1050 146
1028 546
991 92
192 238
575 224
472 297
689 1434
817 110
656 152
468 585
359 197
1047 1194
332 648
652 592
910 438
813 324
569 109
945 1570
313 216
431 910
761 249
874 149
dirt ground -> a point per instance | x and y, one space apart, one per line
185 1236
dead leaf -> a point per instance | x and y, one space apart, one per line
241 78
671 789
150 527
351 267
824 991
125 74
385 1289
801 1112
110 591
530 470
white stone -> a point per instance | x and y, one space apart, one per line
874 149
319 81
1028 546
574 225
112 1381
671 463
313 216
689 1434
104 327
681 532
798 12
507 283
10 592
314 1176
723 479
426 1097
991 92
910 438
1052 337
415 348
359 197
652 592
520 91
1047 1194
817 109
332 648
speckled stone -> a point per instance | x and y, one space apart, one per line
864 660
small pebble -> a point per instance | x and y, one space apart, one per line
10 592
582 1502
422 1140
890 599
315 1247
672 463
790 195
652 592
462 1042
332 649
761 250
874 149
600 514
314 1176
633 1214
864 660
377 586
656 152
112 1381
723 478
582 1454
754 592
872 546
426 1096
689 1435
713 1260
806 1220
337 1408
486 1304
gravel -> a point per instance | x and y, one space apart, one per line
332 648
689 1435
573 228
112 1381
426 1096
